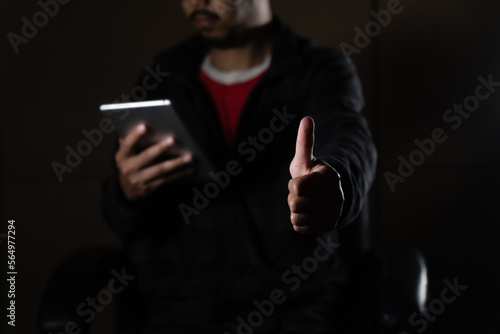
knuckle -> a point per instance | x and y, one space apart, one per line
150 154
124 146
292 203
164 167
134 182
295 186
126 171
157 150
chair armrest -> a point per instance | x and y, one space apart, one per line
80 276
387 284
402 284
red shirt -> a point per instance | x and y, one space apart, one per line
229 100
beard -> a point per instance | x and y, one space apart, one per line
229 41
226 42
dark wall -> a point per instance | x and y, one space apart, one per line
428 58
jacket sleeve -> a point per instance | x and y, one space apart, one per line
122 215
343 139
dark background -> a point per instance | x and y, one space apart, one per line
427 59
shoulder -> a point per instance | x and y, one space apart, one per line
314 57
332 74
328 58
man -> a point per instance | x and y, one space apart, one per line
257 254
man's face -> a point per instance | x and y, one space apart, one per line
217 19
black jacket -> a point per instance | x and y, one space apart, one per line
238 247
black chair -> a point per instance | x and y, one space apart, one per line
386 285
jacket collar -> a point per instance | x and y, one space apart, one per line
190 54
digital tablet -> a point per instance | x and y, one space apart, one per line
161 120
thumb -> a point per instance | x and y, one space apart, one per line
303 160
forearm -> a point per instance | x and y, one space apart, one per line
343 139
353 156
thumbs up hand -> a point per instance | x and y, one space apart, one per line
316 197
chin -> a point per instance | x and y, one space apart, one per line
216 39
212 32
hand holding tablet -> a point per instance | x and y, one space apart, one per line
155 147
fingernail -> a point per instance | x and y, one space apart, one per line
167 141
141 128
187 158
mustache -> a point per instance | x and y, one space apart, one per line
210 14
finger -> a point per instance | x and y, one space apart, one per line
316 204
153 185
310 184
152 153
300 219
127 145
302 161
314 230
162 169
